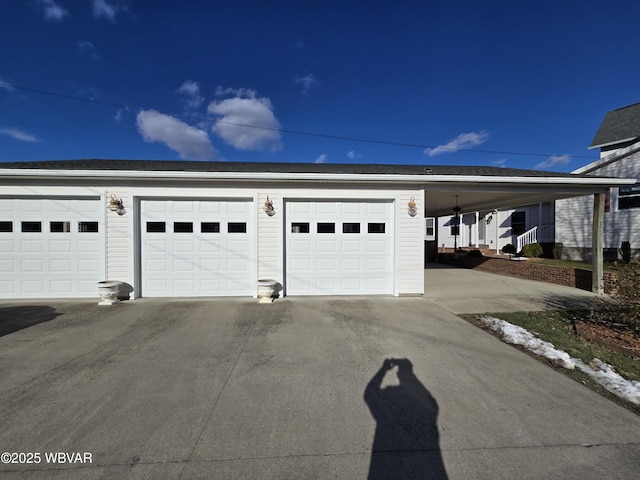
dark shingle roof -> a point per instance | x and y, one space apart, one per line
618 126
273 167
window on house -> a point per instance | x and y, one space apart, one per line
210 227
6 227
326 227
156 227
629 197
88 227
299 227
31 227
350 228
182 227
237 227
518 223
454 223
59 227
375 228
430 227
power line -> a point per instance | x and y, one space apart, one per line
292 132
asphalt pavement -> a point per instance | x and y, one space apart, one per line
304 388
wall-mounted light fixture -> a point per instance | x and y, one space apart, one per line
116 205
268 207
413 210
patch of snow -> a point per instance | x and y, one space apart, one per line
599 371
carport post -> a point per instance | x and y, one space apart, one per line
597 234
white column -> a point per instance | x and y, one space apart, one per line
597 234
477 229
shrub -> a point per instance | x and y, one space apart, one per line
627 294
474 253
532 250
510 249
625 252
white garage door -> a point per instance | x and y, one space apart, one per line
51 247
194 248
339 248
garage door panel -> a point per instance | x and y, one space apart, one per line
60 286
208 261
62 265
88 245
60 246
7 265
31 246
348 261
325 264
88 265
32 265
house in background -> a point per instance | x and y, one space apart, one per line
618 139
493 229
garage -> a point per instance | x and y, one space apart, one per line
51 247
197 248
339 247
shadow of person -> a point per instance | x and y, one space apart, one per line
406 444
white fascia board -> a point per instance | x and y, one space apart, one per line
602 145
607 159
314 177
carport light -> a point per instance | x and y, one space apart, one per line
116 205
268 207
412 207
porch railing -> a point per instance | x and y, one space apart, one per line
530 236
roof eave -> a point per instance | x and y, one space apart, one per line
38 174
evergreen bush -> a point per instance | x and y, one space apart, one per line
532 250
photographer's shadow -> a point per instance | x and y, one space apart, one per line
406 444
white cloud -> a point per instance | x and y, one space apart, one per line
246 121
18 134
321 159
191 90
352 154
5 84
108 10
120 113
52 11
554 161
499 163
461 142
190 142
88 48
307 82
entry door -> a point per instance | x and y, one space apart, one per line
339 248
194 248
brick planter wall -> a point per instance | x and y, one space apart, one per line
567 276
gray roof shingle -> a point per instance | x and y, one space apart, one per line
274 167
618 126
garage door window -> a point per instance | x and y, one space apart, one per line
6 227
59 227
350 228
300 227
237 227
376 228
183 227
156 227
210 227
88 227
31 227
326 228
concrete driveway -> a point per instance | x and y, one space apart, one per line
299 389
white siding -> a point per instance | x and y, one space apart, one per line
574 215
269 244
118 245
410 244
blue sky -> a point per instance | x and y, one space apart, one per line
451 82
